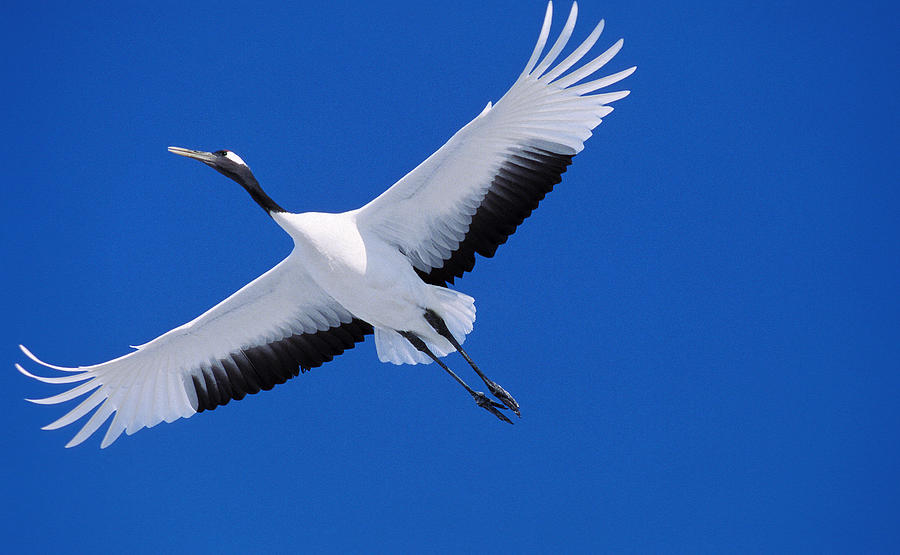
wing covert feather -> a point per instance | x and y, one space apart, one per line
473 192
279 324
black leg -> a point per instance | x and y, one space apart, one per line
480 398
496 390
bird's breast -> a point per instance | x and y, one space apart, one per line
368 276
331 244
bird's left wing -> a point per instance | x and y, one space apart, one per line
471 194
261 336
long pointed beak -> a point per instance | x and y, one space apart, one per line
206 157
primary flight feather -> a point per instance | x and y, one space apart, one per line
383 268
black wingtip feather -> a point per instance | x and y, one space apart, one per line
520 184
257 368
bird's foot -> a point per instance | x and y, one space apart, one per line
504 396
482 401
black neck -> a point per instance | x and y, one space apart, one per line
248 182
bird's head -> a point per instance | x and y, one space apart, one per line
231 166
225 162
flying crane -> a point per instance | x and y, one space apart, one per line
382 269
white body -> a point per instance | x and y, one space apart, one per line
376 283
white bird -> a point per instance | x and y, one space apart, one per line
383 267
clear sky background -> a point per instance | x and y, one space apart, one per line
702 322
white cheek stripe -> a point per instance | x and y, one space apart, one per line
234 157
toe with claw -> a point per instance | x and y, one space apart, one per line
504 396
482 400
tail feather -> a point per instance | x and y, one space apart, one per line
394 348
458 312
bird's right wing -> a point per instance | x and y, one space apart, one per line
473 192
261 336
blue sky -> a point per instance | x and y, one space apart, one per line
700 323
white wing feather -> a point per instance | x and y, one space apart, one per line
428 212
153 383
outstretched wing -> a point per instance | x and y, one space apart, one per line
263 335
471 194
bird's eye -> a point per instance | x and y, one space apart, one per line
220 152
